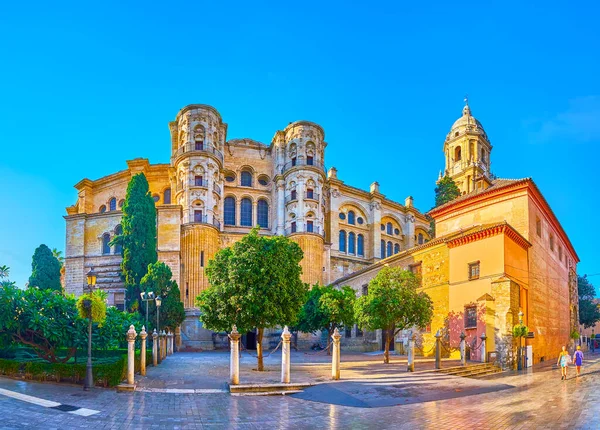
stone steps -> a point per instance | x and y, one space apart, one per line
268 389
471 370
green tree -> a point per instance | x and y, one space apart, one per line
159 281
111 333
45 270
4 281
254 284
589 314
139 236
446 191
393 304
44 320
327 308
58 255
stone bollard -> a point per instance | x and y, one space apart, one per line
163 345
483 350
177 338
463 349
154 348
170 343
143 335
131 335
285 356
335 355
234 356
411 352
438 350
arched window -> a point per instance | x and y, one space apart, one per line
420 238
118 246
167 196
199 136
351 243
102 209
229 211
396 248
112 204
342 241
457 154
351 217
390 249
105 243
360 245
246 212
383 249
293 226
263 213
246 179
390 228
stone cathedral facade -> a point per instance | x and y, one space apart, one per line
215 189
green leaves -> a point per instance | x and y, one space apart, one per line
520 330
254 284
327 308
139 235
589 313
158 280
446 191
393 302
45 270
92 305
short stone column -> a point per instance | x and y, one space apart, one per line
154 348
335 355
483 348
163 345
143 336
234 356
411 352
463 349
170 343
438 350
131 335
177 338
285 355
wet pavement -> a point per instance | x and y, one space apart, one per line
535 399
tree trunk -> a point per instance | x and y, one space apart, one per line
386 353
329 333
259 350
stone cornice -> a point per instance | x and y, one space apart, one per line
503 228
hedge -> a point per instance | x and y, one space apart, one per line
106 373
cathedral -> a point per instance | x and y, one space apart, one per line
215 189
499 256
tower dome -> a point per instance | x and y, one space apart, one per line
467 122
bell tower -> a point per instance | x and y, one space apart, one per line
467 151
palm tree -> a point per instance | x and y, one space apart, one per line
4 271
58 255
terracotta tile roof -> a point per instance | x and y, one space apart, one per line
496 185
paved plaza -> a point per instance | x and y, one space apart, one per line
370 396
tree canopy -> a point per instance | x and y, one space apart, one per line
253 284
138 239
159 281
446 191
393 304
45 270
589 313
327 308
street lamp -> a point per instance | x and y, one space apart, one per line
158 302
520 363
146 297
89 378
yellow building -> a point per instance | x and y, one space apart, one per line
499 250
214 190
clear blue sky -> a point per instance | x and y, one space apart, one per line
85 86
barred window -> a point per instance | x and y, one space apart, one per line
474 270
471 317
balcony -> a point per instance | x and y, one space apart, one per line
290 198
302 163
311 196
197 147
206 219
205 184
314 230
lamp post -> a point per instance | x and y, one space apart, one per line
146 297
89 378
158 302
520 362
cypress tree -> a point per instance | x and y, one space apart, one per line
446 191
139 236
45 270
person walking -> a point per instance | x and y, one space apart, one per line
578 360
563 359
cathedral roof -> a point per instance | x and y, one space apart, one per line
467 122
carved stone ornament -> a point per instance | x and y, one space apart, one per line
375 206
335 194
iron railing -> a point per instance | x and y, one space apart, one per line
206 219
302 162
196 147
